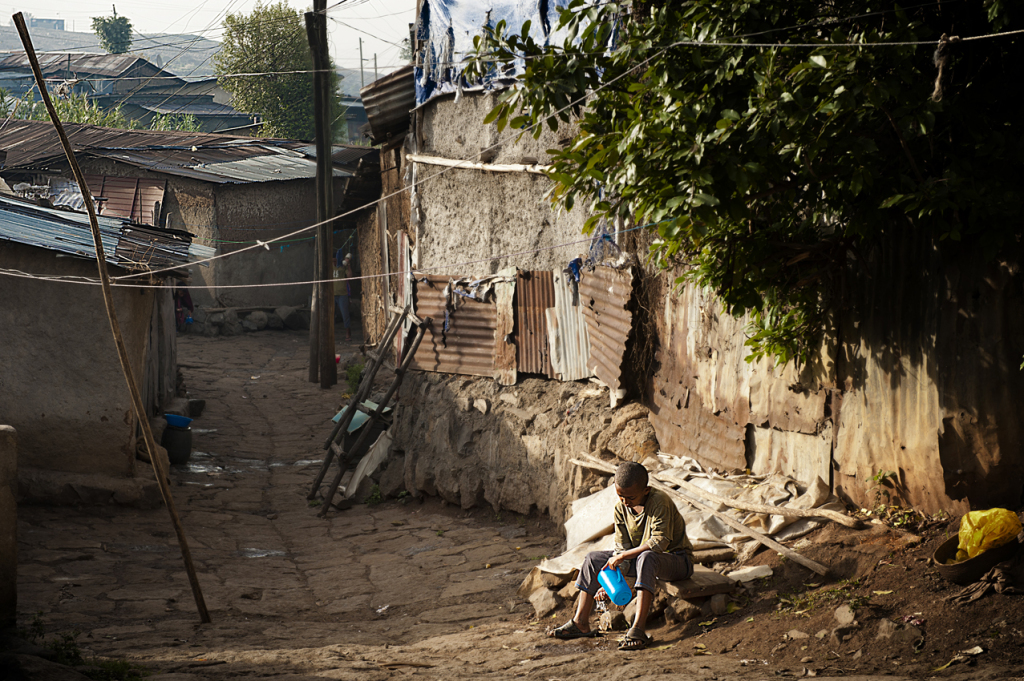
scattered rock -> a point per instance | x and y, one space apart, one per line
719 603
886 628
545 602
481 405
569 591
613 620
796 634
217 318
856 655
230 316
249 326
554 582
509 398
259 318
463 403
274 321
805 660
844 632
290 317
844 614
749 574
681 610
821 634
909 633
199 315
531 583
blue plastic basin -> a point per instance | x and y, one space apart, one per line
177 421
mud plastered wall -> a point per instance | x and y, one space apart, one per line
474 443
470 214
61 384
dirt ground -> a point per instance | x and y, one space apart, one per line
426 590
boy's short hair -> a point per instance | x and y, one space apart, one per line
630 474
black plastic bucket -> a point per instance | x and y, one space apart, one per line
178 443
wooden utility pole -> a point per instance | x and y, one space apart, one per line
316 32
115 327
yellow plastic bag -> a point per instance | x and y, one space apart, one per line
984 530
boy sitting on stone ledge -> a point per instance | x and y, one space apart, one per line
650 544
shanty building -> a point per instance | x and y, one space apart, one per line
61 385
231 193
917 379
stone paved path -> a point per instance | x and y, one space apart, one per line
414 590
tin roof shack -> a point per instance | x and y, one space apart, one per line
230 192
61 385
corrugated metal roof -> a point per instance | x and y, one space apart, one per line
535 293
468 345
605 295
57 64
202 156
568 339
69 232
388 102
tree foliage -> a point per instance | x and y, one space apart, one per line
270 40
78 108
768 150
114 32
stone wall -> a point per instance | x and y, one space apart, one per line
474 443
8 526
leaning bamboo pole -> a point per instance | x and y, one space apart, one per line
115 327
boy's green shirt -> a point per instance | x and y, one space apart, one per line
660 526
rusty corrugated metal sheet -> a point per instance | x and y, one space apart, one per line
568 338
685 428
535 293
131 198
605 295
468 345
388 102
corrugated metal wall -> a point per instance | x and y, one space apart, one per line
605 295
568 340
535 293
468 345
132 198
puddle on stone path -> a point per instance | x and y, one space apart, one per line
258 553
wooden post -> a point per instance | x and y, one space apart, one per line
316 33
115 327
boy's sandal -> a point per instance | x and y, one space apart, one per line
569 631
635 640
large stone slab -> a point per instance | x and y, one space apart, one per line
704 582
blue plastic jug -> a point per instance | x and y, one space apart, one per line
615 586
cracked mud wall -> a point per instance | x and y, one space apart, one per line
472 214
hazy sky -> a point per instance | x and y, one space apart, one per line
382 24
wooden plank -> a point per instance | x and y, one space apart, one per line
704 582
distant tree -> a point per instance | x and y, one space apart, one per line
115 33
271 40
183 122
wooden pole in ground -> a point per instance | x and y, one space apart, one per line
316 33
597 464
115 327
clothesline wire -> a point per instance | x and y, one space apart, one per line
406 189
679 43
77 279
